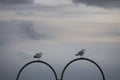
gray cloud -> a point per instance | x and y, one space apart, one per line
23 55
28 7
28 31
15 30
26 13
16 1
100 3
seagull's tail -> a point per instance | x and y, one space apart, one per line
76 54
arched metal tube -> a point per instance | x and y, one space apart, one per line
37 61
103 77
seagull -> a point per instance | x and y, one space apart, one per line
38 55
80 53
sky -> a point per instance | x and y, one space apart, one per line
59 29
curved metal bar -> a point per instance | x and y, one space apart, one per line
37 61
103 77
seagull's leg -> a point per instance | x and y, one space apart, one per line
81 56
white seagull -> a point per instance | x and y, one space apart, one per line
38 55
80 53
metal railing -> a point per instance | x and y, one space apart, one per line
62 74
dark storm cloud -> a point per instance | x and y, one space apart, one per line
100 3
16 1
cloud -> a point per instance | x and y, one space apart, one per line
28 31
30 9
26 13
23 55
16 1
100 3
18 30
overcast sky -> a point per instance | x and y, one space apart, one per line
59 29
